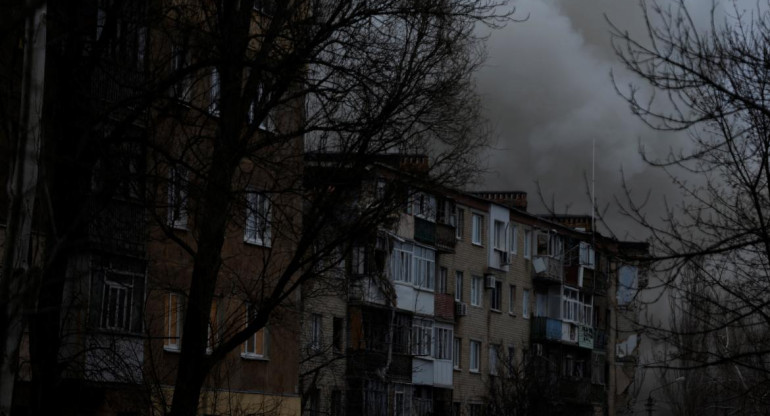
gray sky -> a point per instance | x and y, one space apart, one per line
546 89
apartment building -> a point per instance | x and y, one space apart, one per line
127 222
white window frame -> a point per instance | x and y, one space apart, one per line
424 206
477 289
401 262
514 238
459 230
422 337
174 307
492 360
257 229
499 237
475 356
114 315
496 296
512 299
525 303
443 339
477 229
457 348
424 267
587 255
316 331
249 347
441 285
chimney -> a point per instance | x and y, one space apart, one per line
511 199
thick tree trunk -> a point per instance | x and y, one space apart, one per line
16 278
194 365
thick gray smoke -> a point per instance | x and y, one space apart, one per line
547 90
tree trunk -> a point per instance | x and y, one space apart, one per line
16 277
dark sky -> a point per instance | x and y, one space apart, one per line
547 90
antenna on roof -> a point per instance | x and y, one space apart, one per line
593 186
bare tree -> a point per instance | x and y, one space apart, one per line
711 80
213 105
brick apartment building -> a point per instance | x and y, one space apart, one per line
419 315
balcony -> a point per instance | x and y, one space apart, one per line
424 231
600 339
118 226
581 391
546 329
446 237
548 269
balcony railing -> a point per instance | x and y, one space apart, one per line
581 391
424 231
446 236
550 269
546 329
600 339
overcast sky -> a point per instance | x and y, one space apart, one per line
546 89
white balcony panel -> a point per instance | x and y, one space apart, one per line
422 371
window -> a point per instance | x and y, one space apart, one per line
180 62
255 346
514 238
116 304
460 223
477 223
527 244
316 325
177 196
457 353
474 409
442 276
512 299
496 296
549 244
358 260
541 303
525 304
499 236
399 404
410 260
422 332
510 360
266 122
476 289
337 333
458 286
493 360
444 338
258 229
587 255
172 321
475 357
425 206
401 262
570 305
598 375
424 267
214 89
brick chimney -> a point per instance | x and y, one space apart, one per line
512 199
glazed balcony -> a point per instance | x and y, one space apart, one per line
546 329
